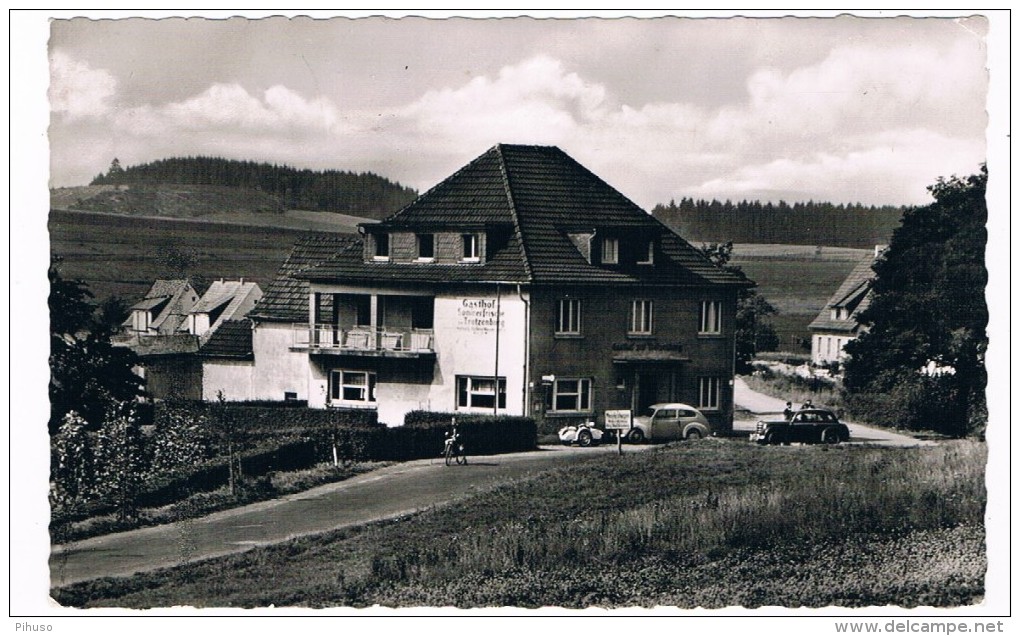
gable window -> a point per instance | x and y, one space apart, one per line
708 393
610 251
382 247
649 256
571 395
480 393
641 318
470 252
426 247
711 317
351 386
568 322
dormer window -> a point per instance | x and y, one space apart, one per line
470 249
610 251
426 247
382 247
649 256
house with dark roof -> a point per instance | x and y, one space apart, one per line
522 284
172 327
837 323
163 309
228 362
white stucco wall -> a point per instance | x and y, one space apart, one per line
826 348
464 327
233 377
465 342
278 370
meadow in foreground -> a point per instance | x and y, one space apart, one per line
713 524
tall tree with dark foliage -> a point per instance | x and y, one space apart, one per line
920 365
88 375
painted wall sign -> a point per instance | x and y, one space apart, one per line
478 315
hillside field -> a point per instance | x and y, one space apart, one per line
121 255
798 280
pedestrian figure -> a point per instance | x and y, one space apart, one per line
808 405
788 411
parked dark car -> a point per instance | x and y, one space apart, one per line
807 426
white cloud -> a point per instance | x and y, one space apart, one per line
77 90
866 123
226 107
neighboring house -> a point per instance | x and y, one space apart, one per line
522 284
228 362
178 326
224 300
162 310
837 323
281 372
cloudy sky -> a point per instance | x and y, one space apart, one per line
841 109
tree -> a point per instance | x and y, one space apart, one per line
88 375
925 337
754 332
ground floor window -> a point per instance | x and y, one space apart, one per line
352 386
708 393
570 394
480 393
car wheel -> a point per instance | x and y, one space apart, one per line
584 438
636 436
770 439
830 436
694 434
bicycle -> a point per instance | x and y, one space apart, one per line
454 450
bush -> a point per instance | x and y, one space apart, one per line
918 403
483 434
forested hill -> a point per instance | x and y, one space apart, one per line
810 223
358 194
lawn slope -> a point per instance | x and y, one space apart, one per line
712 524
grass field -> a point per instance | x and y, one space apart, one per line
797 280
122 255
713 524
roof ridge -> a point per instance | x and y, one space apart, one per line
513 210
440 184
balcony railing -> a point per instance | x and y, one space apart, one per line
363 340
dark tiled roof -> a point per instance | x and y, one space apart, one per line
231 340
854 295
541 196
286 299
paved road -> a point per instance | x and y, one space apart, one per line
386 493
390 492
760 404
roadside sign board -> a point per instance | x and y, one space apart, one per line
618 420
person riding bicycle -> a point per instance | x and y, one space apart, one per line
452 436
453 446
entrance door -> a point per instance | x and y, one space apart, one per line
647 391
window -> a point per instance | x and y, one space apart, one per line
711 317
708 393
352 386
426 247
571 395
641 317
382 247
470 244
480 393
610 251
569 321
649 257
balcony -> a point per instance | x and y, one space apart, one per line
363 341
